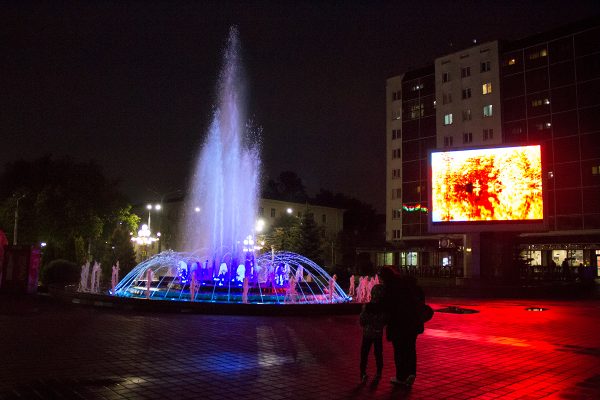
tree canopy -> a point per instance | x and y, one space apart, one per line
69 205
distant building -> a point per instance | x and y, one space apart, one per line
543 89
164 222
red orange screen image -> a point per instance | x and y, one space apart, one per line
493 184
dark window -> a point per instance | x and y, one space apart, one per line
426 145
563 99
591 201
486 66
565 150
588 67
536 80
410 172
446 77
588 119
590 146
587 42
562 74
410 150
428 126
569 222
465 72
466 93
568 202
560 50
513 86
589 93
410 129
514 109
272 213
515 132
564 124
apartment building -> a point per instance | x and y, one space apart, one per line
543 89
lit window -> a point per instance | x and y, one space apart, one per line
543 53
448 141
486 66
466 93
548 125
546 101
536 103
487 110
486 88
512 61
596 170
417 110
448 119
465 72
416 87
466 115
446 77
467 137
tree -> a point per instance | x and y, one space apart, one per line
70 205
288 187
284 235
311 239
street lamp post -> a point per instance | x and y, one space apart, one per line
15 228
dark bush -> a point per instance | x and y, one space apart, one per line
60 272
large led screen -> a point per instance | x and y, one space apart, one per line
486 185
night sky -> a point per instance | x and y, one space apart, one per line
132 84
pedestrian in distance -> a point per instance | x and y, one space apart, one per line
373 319
404 301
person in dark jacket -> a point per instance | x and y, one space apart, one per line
404 301
373 319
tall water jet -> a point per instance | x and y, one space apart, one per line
219 262
222 201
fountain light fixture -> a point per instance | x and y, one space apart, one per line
260 225
197 209
289 211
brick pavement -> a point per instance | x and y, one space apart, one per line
53 350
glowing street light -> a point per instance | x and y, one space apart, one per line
151 207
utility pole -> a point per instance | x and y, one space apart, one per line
15 228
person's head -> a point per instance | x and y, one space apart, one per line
387 275
377 294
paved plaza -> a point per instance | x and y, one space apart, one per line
53 350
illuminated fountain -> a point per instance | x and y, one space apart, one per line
218 263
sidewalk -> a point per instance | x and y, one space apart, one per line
55 350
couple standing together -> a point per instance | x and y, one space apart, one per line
396 303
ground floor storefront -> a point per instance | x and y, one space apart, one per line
557 256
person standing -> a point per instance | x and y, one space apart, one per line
404 301
372 319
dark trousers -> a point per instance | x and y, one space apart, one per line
405 355
364 353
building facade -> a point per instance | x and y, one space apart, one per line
166 218
543 89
